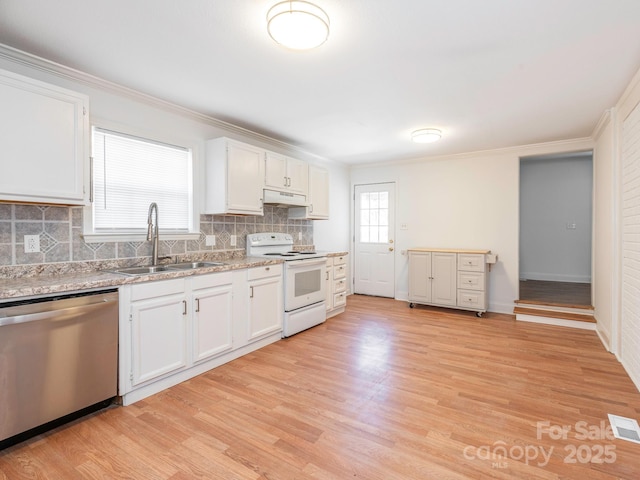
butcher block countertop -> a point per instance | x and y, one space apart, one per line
448 250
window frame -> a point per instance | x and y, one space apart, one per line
91 236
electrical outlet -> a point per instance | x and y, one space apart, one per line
232 241
210 240
31 243
404 226
299 235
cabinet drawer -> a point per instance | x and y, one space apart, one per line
329 262
264 272
340 260
340 285
471 299
339 271
211 280
157 289
471 280
339 299
471 262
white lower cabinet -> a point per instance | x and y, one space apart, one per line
158 333
449 278
336 285
212 307
172 330
266 311
432 278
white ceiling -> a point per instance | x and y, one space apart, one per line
490 73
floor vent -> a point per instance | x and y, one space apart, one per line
625 428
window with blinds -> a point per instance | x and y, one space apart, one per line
129 173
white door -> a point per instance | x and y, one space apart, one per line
374 265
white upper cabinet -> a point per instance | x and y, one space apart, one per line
286 174
318 198
234 177
44 143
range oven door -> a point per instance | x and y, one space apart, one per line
304 283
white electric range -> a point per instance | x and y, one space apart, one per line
304 279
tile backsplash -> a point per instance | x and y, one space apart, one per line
60 232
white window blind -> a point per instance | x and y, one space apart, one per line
129 173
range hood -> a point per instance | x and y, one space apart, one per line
284 199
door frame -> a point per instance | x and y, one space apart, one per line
392 233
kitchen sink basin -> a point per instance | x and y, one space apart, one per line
192 265
141 270
165 268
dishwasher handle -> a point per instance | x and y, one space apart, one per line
58 310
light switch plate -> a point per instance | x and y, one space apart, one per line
232 241
210 240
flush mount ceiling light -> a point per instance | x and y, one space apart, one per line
426 135
298 24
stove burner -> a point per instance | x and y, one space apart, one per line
306 253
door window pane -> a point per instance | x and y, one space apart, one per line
374 217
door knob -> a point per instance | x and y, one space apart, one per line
391 249
391 241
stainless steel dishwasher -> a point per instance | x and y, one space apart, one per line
58 360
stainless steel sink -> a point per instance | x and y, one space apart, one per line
165 268
193 265
141 270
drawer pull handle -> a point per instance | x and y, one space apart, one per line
184 307
250 292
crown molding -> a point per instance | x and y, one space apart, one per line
559 146
62 71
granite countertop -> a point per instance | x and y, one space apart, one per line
44 284
39 280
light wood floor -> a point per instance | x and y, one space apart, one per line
567 294
382 392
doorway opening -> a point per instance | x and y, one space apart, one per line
374 233
556 203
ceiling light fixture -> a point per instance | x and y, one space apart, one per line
426 135
298 24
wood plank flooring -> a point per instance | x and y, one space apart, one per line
567 294
381 392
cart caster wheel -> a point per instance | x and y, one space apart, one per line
411 305
479 314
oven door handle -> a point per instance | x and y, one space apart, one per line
305 263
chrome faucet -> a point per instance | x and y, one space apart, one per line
152 232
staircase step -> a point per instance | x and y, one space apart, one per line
538 312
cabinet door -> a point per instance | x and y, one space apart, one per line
245 176
420 277
212 321
266 310
443 289
318 193
44 142
329 286
298 173
275 174
158 333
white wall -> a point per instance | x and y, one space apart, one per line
463 201
604 289
117 107
556 191
628 132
